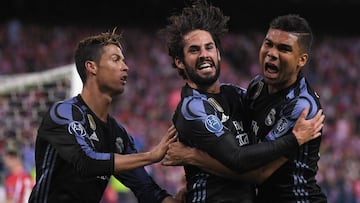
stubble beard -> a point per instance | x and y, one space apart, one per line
202 81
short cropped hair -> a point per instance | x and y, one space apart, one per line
91 48
295 24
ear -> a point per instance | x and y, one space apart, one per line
303 60
219 55
179 63
91 67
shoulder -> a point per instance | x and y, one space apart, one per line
64 112
255 81
303 96
255 87
228 88
195 105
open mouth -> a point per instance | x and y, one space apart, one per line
123 79
271 68
205 64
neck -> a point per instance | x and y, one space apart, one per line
213 88
277 87
97 101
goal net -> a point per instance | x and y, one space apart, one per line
24 98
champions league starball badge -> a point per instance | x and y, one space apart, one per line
213 124
76 128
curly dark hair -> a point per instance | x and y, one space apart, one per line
91 48
199 15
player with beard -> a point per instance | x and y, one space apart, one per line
210 114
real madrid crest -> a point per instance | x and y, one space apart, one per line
218 107
119 143
270 118
259 87
91 122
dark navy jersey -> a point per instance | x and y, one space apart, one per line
74 157
214 124
274 115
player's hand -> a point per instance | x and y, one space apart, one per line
180 195
175 155
159 151
170 199
306 130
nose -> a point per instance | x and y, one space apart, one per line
272 53
204 53
125 67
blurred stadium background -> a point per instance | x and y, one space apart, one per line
37 40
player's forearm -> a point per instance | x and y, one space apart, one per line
131 161
211 165
170 199
207 163
259 175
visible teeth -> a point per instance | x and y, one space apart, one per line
205 65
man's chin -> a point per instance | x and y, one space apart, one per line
269 81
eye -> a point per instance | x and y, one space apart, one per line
210 47
268 44
193 50
116 58
285 48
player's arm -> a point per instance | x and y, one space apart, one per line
256 155
198 124
124 162
179 154
68 136
136 177
88 162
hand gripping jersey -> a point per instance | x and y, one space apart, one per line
274 115
75 157
214 124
